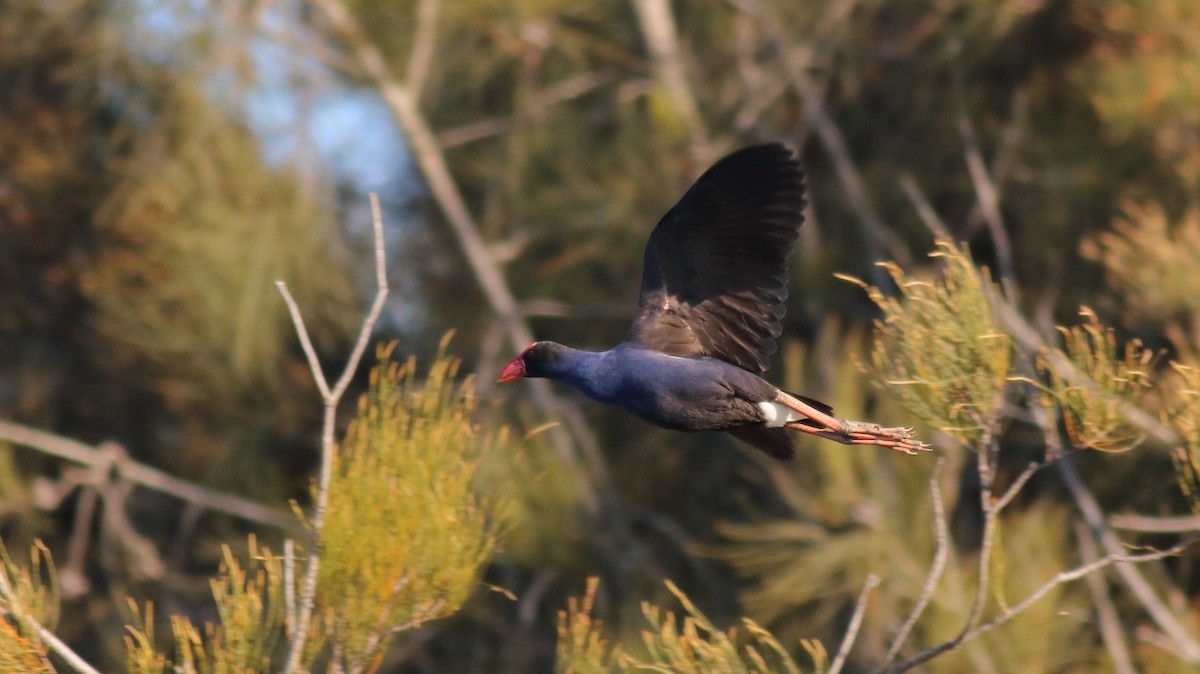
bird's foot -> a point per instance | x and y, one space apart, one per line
863 433
849 432
899 438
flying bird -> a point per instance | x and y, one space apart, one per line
714 282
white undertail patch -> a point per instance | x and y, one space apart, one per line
776 415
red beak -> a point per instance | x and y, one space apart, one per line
513 371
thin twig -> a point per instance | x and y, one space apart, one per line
1106 613
73 575
125 468
1017 484
1032 342
310 353
877 237
289 586
657 24
940 556
445 191
424 43
308 589
46 636
855 623
145 560
1058 579
1137 584
1177 524
924 209
553 94
381 283
985 187
1185 644
986 468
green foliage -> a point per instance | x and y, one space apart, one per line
29 599
691 645
141 650
1142 72
250 610
540 503
1052 635
19 653
1092 409
582 646
195 238
1184 415
940 349
406 532
1153 262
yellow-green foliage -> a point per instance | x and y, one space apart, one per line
1184 415
541 499
1055 634
582 646
29 598
18 653
250 610
1092 410
1141 72
692 645
199 230
940 350
406 533
1154 262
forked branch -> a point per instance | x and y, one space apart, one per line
331 398
1043 590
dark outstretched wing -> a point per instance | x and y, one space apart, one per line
715 270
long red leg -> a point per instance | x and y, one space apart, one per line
848 432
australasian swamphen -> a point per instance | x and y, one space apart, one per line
712 297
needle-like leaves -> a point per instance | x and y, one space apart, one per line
407 533
940 350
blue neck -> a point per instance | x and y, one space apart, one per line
584 370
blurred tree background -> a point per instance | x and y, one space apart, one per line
162 162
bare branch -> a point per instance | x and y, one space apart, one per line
940 556
433 165
985 188
1032 342
658 27
1179 524
381 293
424 43
924 209
46 636
123 467
877 235
855 623
1015 487
72 577
144 558
1137 584
305 342
1045 588
289 586
1106 613
559 92
308 590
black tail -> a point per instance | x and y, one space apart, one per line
776 441
815 403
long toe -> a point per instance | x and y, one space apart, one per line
898 438
908 445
